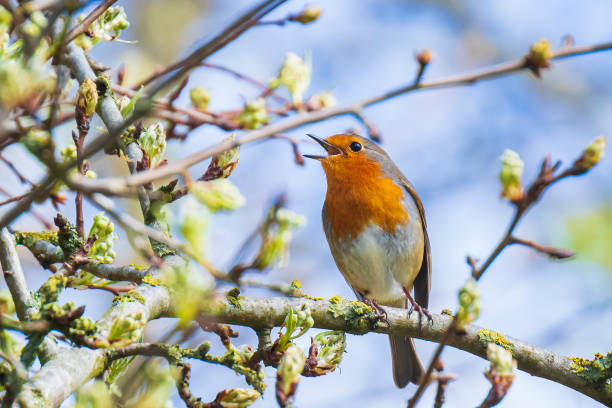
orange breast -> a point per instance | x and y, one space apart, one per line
358 194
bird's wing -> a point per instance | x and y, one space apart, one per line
422 282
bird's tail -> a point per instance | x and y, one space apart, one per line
406 364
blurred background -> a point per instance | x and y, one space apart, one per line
447 142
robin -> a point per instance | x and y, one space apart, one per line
375 227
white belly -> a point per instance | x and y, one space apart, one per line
380 264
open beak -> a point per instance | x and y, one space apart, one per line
330 148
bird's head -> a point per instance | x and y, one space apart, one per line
348 155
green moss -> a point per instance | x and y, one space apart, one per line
234 298
38 398
131 296
162 249
488 336
28 239
151 280
597 370
68 237
129 135
50 290
30 351
360 316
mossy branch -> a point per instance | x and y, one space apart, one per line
72 368
270 312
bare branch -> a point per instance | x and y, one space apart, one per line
228 35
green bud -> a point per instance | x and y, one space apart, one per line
591 155
295 75
540 53
218 195
153 141
122 103
69 153
469 303
501 359
194 225
289 369
10 345
35 24
274 248
102 249
254 114
223 164
6 303
6 18
87 97
308 15
127 329
160 383
37 141
322 100
200 97
300 318
107 27
25 84
189 290
331 346
94 395
510 175
289 219
237 397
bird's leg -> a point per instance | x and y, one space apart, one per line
415 306
381 314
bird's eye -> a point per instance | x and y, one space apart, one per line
356 146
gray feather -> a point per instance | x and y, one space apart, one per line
406 364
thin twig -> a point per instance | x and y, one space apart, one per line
248 79
305 118
127 222
17 173
228 35
443 380
83 26
557 253
78 200
46 224
545 179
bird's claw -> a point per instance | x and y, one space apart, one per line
419 309
379 312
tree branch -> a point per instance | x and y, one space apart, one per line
115 125
72 368
305 118
13 274
228 35
271 312
49 253
69 369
